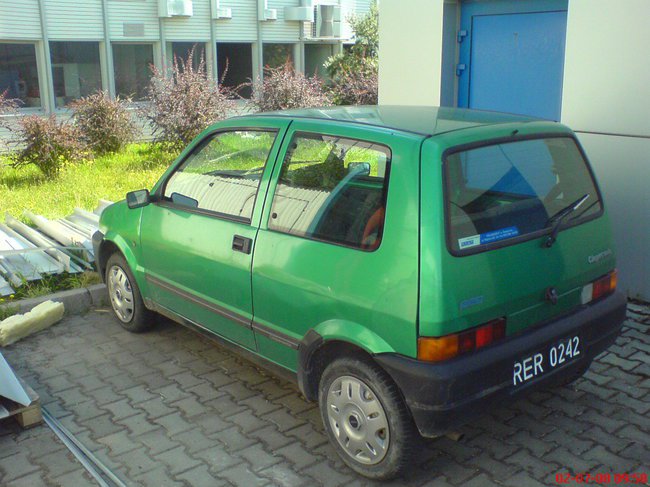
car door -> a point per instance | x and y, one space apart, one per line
197 237
324 254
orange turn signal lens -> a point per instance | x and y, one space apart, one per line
613 280
436 349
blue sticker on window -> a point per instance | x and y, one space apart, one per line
487 238
500 234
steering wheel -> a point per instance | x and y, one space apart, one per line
372 230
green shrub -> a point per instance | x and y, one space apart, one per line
48 144
104 123
283 88
354 72
184 100
355 87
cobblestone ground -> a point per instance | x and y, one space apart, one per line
171 408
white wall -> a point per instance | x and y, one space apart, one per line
410 53
607 91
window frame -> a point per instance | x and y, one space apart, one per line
276 179
521 238
152 44
101 64
159 198
40 74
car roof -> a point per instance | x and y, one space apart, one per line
420 120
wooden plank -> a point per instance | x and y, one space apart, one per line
27 416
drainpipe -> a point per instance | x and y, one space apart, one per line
260 46
213 41
108 51
163 46
48 81
301 45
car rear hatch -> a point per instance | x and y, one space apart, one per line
488 251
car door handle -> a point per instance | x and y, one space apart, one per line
242 244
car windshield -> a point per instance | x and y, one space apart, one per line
503 191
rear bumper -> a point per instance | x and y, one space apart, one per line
444 396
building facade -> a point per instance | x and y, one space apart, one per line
575 61
55 51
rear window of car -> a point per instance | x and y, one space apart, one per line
500 192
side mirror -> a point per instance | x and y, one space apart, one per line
138 199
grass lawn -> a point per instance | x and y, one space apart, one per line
109 177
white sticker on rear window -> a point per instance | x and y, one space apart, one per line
489 237
467 242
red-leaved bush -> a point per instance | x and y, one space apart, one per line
104 123
184 100
283 88
48 144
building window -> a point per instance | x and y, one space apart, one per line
19 74
76 70
276 55
132 63
315 57
181 51
235 60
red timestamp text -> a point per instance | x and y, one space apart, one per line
601 478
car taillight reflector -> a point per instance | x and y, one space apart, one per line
436 349
600 287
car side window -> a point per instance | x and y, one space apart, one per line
332 189
222 174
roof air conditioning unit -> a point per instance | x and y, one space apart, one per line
265 13
219 12
299 14
328 21
175 8
224 13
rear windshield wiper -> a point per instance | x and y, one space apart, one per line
561 215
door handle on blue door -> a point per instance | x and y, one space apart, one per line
242 244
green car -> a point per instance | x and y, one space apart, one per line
409 267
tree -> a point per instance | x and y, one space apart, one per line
354 72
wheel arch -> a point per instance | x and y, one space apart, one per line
329 341
110 245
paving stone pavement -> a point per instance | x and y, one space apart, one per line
169 407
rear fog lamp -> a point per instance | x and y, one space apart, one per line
599 288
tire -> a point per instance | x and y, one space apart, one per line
354 392
125 298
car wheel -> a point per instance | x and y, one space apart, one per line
366 418
125 297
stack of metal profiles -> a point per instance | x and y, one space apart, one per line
51 247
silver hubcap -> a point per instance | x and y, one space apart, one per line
358 420
121 293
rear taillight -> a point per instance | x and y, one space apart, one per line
600 287
436 349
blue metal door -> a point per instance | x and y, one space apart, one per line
512 56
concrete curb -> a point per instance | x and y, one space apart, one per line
75 301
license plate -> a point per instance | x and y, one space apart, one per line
540 363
